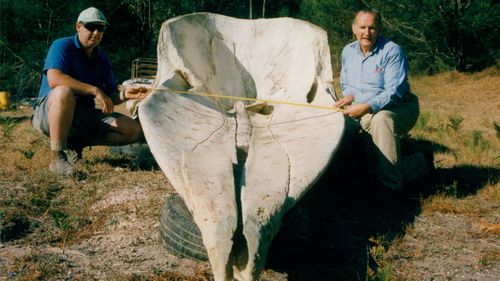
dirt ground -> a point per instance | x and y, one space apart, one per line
119 192
341 230
126 247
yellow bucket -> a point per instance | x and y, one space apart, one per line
4 100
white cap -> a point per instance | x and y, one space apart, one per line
92 15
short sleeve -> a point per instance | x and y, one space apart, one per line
58 57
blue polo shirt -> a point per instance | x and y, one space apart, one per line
67 55
379 79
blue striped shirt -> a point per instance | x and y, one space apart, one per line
379 79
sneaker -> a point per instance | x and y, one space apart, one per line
61 167
74 157
74 153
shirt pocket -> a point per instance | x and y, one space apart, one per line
375 76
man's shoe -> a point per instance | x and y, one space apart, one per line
74 153
74 156
429 158
430 181
62 167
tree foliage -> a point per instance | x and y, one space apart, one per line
437 35
444 34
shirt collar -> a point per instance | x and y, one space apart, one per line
77 42
375 48
78 45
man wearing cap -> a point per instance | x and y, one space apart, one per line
75 73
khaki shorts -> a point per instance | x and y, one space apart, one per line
87 122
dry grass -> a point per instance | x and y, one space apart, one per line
459 113
43 212
459 121
102 224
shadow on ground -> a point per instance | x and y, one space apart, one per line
135 157
465 180
327 235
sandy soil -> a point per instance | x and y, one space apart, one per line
125 243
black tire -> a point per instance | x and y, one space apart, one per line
178 232
139 153
131 150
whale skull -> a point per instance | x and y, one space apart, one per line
238 165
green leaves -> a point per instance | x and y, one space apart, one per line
436 35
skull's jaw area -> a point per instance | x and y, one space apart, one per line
240 168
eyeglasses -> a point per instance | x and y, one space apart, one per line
93 26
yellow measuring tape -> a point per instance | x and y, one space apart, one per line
247 99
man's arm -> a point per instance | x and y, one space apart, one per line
129 93
354 110
346 90
133 93
56 77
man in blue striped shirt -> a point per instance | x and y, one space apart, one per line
376 93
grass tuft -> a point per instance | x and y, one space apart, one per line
378 267
455 122
478 142
8 124
497 129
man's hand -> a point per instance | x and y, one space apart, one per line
353 111
136 93
347 100
357 110
107 104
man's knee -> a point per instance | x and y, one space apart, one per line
134 131
63 96
383 120
130 129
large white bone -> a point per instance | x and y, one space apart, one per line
239 187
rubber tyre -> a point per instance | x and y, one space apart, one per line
178 232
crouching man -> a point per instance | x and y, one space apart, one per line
75 73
